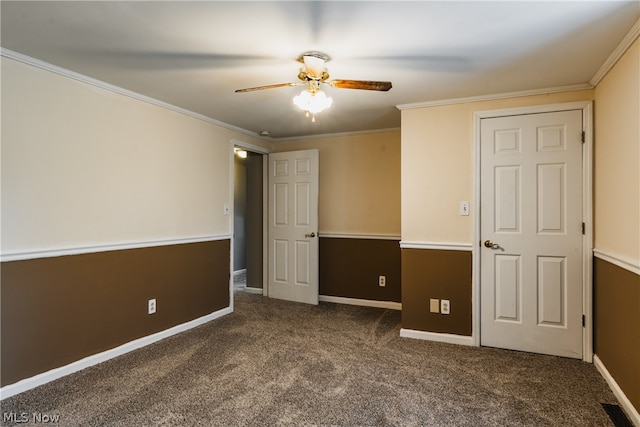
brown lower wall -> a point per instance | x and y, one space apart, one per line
350 268
616 300
439 274
59 310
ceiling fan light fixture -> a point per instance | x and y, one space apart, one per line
312 102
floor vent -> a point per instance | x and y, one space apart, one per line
617 415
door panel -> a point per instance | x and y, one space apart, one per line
281 261
507 200
551 198
551 291
507 286
531 221
293 226
303 216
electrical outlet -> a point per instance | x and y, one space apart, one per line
152 306
445 306
382 281
434 305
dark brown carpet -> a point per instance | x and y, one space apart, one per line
279 363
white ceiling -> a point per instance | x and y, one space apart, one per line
195 54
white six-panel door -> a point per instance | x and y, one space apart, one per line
293 226
531 231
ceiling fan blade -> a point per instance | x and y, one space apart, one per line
253 89
361 84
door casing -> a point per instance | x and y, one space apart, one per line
265 209
587 212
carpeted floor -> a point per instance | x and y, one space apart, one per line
273 362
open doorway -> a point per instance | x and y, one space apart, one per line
248 221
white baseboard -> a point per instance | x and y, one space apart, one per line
436 336
631 412
392 305
251 290
54 374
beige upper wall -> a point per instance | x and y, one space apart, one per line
438 165
82 166
359 182
617 159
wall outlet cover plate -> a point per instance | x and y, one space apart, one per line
434 305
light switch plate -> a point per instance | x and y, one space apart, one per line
464 208
434 305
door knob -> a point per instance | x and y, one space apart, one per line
312 234
489 244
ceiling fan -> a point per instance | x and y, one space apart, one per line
314 74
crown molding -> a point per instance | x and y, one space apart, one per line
622 47
333 135
16 56
495 96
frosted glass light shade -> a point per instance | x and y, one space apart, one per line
312 102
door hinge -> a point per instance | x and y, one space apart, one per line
583 228
584 321
583 136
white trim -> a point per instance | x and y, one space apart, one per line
250 147
358 236
495 96
436 336
475 257
265 225
265 204
334 135
391 305
54 374
534 109
631 412
231 219
622 262
622 47
436 245
587 183
79 250
252 290
587 240
115 89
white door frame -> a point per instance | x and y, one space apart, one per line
265 209
587 212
